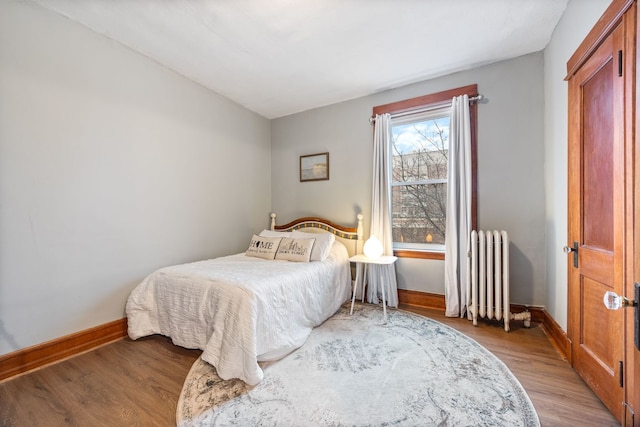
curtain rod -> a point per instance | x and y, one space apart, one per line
476 98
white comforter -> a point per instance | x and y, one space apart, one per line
238 309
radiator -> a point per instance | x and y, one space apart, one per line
488 279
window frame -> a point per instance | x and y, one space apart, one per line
436 100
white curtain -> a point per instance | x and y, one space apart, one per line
458 226
381 213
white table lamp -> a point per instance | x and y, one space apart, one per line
373 248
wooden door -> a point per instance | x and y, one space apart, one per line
597 219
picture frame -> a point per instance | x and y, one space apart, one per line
314 167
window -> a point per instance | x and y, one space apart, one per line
419 153
419 163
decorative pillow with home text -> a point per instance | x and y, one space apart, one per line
263 247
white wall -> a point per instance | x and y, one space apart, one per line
510 167
110 166
577 20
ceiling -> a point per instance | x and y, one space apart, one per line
279 57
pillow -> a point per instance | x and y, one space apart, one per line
322 246
298 250
272 233
263 247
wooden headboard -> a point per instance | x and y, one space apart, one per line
351 237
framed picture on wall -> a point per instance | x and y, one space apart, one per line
314 167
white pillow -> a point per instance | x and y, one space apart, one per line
272 233
322 246
263 247
298 250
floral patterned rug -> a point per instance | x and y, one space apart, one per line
358 371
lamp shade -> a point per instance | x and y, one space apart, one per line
373 248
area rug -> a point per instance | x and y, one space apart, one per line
358 371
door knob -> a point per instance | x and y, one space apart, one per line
567 249
614 301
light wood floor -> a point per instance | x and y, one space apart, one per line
137 383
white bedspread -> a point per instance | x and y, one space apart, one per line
238 309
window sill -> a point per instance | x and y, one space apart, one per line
405 253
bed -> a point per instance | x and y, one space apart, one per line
251 307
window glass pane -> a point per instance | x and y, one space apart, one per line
418 213
420 150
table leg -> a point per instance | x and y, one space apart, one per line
382 285
355 286
364 278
